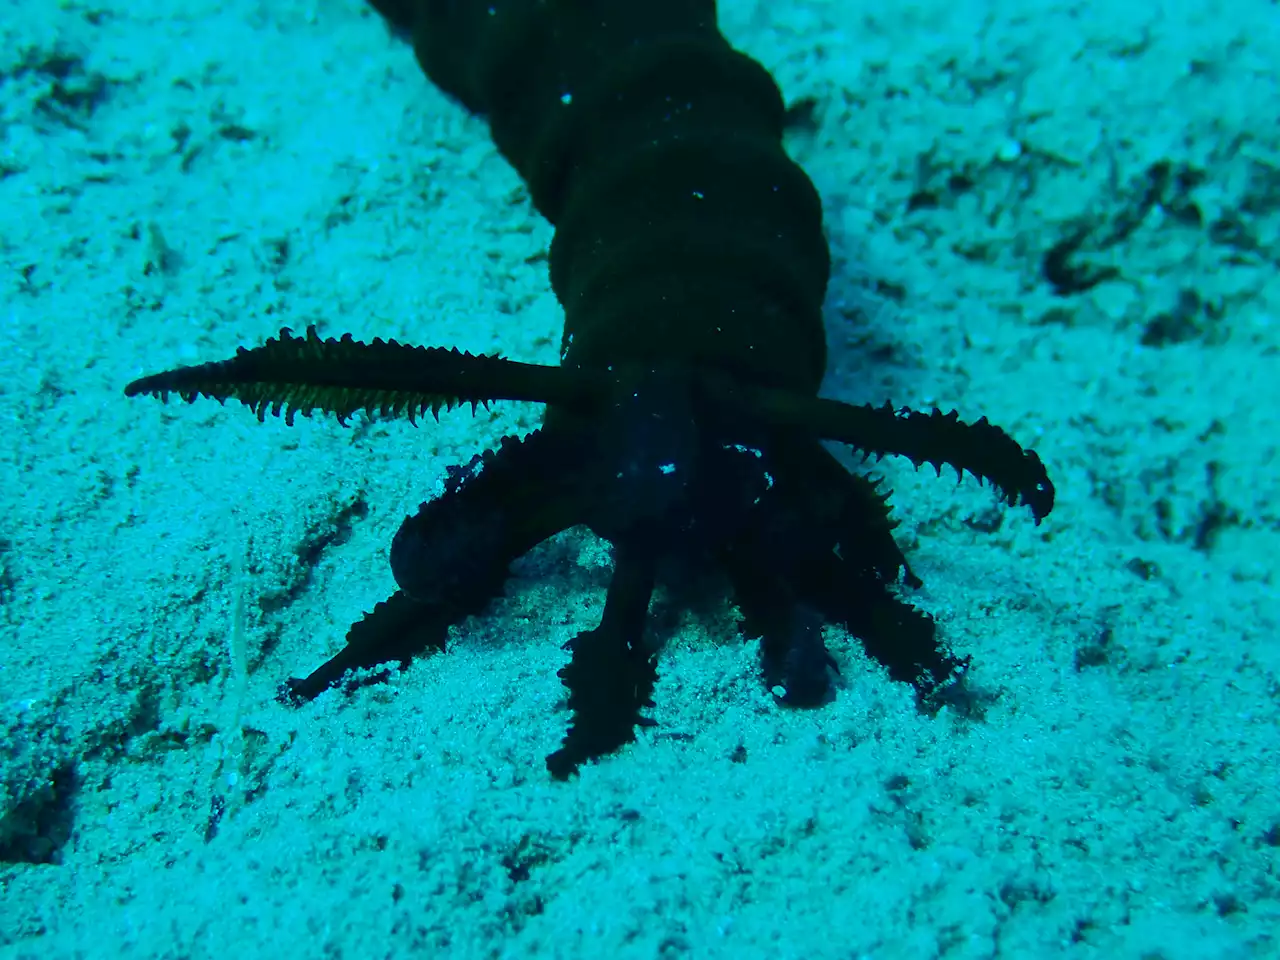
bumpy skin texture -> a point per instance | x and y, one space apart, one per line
683 421
684 233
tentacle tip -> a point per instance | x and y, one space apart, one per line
292 692
563 765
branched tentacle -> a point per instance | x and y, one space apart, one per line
396 630
453 556
854 509
850 573
611 673
308 374
816 513
494 510
892 631
793 655
980 448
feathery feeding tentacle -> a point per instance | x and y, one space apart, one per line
981 448
308 374
493 511
611 674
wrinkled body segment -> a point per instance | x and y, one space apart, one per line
683 420
684 233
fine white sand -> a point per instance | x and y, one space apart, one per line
179 179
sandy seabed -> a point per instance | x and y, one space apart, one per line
177 180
